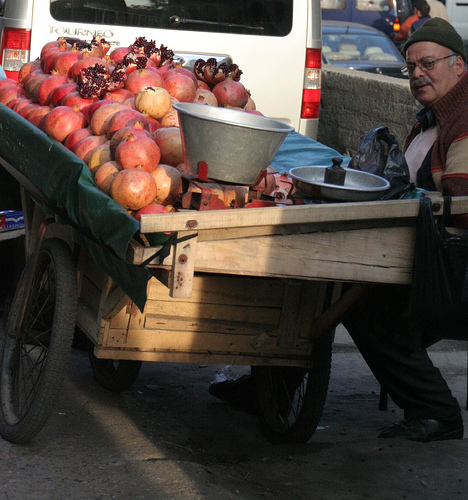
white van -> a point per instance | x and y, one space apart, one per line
276 43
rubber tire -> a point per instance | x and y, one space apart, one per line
116 375
53 292
283 422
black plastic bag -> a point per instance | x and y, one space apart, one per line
379 154
439 291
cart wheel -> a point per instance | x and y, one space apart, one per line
290 399
116 375
35 349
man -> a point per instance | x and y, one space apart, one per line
421 9
437 152
405 29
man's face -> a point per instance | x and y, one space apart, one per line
428 86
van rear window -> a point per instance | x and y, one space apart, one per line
264 17
363 5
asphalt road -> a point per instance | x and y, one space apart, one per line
167 438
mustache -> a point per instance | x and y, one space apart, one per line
419 81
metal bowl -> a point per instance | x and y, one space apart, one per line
236 145
358 186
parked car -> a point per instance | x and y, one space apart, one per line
360 47
384 15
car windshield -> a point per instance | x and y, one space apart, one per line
264 17
349 47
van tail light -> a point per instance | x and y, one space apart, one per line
396 25
312 84
14 51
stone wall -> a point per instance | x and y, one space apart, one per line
354 102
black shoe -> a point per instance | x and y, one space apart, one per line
240 392
425 429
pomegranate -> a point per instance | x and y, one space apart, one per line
204 96
63 62
7 82
76 136
61 91
102 116
124 118
152 122
250 104
47 88
11 92
83 147
86 63
34 87
73 99
138 151
133 189
118 95
181 87
63 120
14 102
168 183
143 78
154 208
155 101
27 109
27 69
129 102
231 92
170 119
179 70
95 106
203 85
22 102
118 54
97 156
169 142
60 42
31 79
136 129
105 174
37 114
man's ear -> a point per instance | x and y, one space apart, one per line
460 65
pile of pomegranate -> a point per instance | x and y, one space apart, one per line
114 111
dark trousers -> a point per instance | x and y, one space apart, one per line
396 354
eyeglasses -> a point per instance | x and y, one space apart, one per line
426 66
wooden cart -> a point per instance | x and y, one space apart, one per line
261 287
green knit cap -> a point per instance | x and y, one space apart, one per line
439 31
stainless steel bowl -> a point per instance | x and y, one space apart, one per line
358 186
236 145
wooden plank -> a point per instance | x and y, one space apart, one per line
376 255
289 328
216 312
202 342
328 212
183 265
216 289
203 358
176 324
